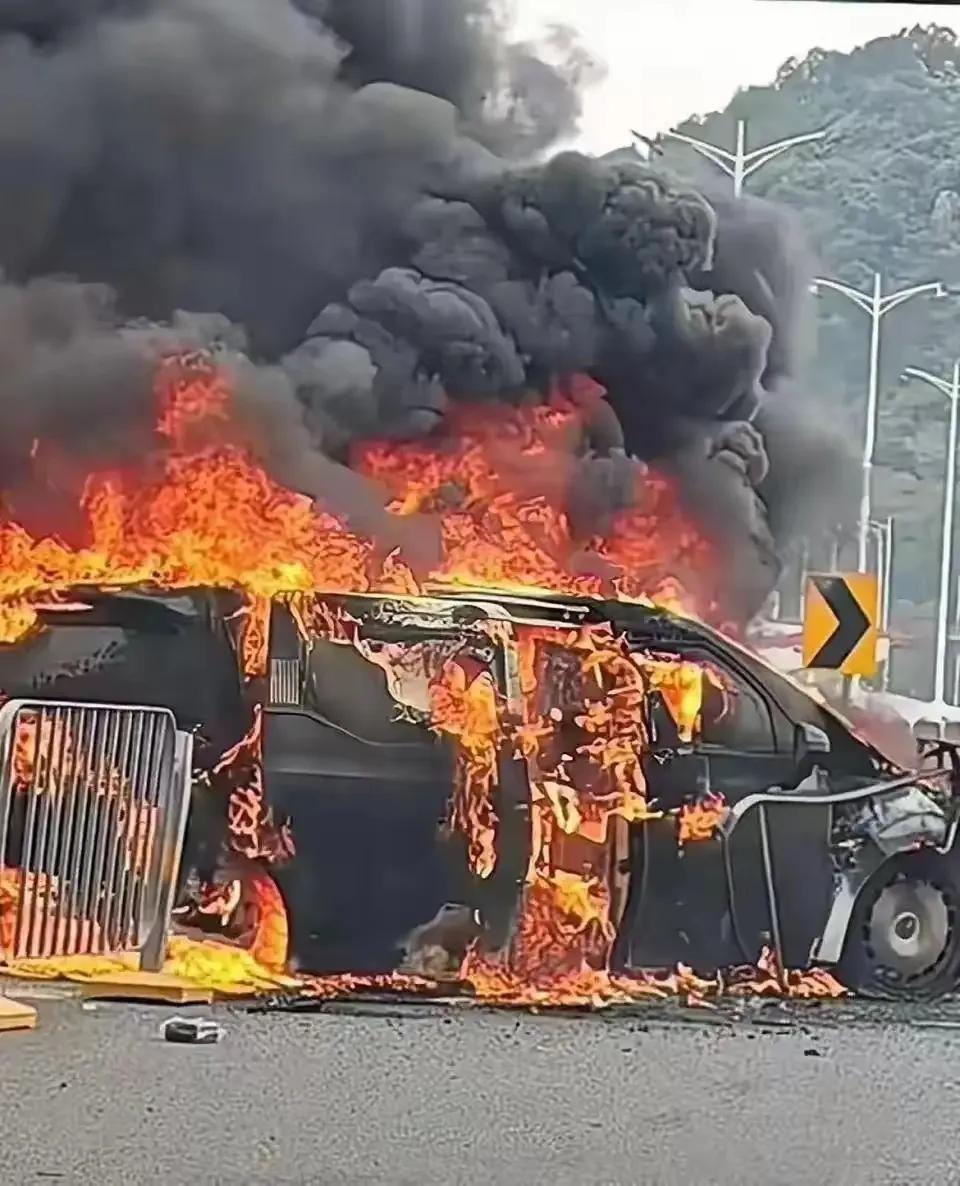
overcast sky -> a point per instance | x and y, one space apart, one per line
668 59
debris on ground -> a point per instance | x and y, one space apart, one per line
194 1030
15 1015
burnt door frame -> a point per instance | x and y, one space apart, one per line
716 891
498 897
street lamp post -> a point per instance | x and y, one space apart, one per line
876 306
950 389
883 531
956 635
740 164
887 602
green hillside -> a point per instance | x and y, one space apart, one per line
880 192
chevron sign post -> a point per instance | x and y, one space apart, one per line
841 612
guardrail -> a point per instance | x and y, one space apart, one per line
93 809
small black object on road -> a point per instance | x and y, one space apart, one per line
195 1030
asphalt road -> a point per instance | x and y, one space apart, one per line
426 1095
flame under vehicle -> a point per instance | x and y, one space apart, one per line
505 787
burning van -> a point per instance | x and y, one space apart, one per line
423 367
540 797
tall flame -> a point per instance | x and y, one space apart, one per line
466 709
203 512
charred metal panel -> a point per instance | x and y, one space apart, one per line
171 653
751 918
367 783
678 908
498 897
801 874
285 641
369 867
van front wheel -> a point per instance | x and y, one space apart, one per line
904 934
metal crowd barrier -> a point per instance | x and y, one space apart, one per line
93 810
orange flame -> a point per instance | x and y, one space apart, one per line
253 831
249 904
204 513
699 821
681 685
466 709
486 480
255 637
16 621
771 979
36 897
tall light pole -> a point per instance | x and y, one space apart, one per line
884 535
882 529
956 635
887 602
876 306
951 389
740 164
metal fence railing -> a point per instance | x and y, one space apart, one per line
93 809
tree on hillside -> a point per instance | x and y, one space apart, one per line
880 192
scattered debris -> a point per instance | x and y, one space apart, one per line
197 1030
160 987
31 990
774 1021
15 1015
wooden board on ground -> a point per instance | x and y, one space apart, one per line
15 1015
144 986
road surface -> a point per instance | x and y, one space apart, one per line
425 1095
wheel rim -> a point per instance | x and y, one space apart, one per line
910 930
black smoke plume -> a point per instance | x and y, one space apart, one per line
343 190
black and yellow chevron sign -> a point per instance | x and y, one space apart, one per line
840 622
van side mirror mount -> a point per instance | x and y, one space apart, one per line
810 743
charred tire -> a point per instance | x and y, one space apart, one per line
904 934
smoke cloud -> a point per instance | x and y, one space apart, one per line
343 190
